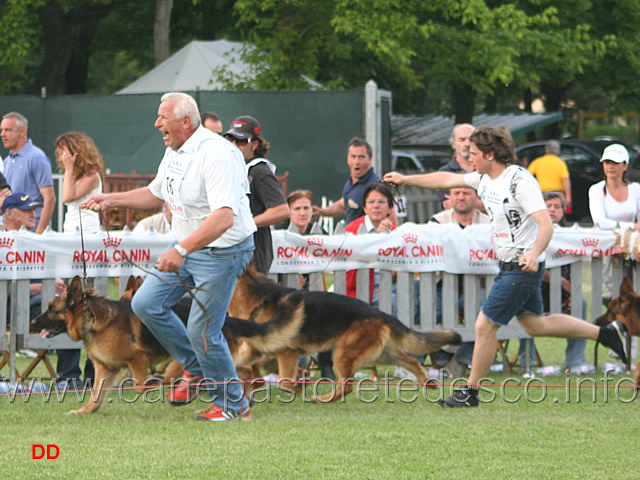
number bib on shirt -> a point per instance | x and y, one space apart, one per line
173 182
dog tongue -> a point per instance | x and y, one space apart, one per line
45 333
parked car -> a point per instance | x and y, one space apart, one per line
634 166
419 161
583 161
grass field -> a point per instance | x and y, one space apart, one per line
547 436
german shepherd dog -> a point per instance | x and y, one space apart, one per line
625 308
304 322
114 337
358 334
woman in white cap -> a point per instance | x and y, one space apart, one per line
614 202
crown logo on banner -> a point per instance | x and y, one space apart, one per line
590 242
6 242
111 241
410 237
315 241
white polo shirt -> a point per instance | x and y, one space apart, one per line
205 174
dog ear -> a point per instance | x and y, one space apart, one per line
74 292
131 283
138 283
626 287
251 268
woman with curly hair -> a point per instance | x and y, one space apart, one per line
80 161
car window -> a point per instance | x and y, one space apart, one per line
432 163
405 163
575 155
529 154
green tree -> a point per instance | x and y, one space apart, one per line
611 84
442 56
20 29
80 46
406 47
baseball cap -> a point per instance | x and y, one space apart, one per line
244 127
19 200
616 153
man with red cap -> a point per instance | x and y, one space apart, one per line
267 201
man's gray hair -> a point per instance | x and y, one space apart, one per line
185 106
456 127
552 147
21 120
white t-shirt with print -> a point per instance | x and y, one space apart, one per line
510 199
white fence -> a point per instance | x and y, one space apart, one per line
462 322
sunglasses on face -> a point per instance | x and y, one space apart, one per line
239 142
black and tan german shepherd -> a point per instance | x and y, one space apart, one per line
287 322
358 334
625 308
114 337
304 322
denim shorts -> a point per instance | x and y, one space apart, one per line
513 294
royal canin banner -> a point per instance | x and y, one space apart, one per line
427 248
411 248
25 255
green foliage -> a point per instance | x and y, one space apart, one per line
19 26
303 35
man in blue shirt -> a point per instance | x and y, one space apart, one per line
27 168
359 158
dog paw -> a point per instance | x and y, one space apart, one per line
322 398
79 411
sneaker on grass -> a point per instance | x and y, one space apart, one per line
184 390
217 414
463 397
614 337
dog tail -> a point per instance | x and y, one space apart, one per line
277 333
240 328
419 343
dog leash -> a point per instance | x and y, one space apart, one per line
189 288
85 280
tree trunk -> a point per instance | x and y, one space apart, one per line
464 98
161 30
553 95
67 36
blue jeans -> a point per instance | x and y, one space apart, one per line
215 272
465 352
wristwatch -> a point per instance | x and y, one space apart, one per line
181 250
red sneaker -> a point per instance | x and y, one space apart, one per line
184 390
217 414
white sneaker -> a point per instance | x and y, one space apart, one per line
401 372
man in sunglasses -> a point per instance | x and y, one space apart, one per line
268 205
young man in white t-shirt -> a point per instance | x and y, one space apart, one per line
522 230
